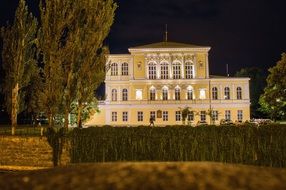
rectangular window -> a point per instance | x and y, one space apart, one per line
227 115
152 71
191 116
178 116
140 116
176 71
153 115
189 71
214 115
239 115
203 115
165 115
114 116
125 116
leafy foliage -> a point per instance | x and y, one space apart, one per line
256 85
273 101
246 144
18 54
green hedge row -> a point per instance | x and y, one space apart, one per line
265 145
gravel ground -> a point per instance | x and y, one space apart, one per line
147 176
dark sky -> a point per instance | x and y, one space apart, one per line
242 33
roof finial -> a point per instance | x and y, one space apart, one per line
166 33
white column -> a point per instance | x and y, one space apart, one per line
207 66
170 63
146 69
233 92
119 68
183 68
131 71
158 70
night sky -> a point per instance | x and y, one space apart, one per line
242 33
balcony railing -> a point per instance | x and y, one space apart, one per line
195 101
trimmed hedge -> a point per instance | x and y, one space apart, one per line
265 146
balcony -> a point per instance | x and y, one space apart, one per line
195 101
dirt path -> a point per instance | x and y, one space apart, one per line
148 176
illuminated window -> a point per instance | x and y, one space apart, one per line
203 115
114 95
239 115
176 70
165 93
124 94
124 69
124 116
153 94
165 115
189 70
227 115
190 94
191 116
114 69
238 93
152 70
214 115
214 93
226 93
164 71
202 94
178 116
140 116
114 116
153 115
177 94
139 94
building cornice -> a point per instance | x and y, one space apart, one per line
140 50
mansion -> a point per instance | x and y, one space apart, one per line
159 80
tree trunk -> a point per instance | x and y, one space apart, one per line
14 110
51 121
66 124
79 110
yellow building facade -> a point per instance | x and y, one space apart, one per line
159 80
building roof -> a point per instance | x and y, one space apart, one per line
167 45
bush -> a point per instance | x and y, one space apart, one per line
246 145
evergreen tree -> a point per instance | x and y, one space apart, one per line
273 101
86 61
55 16
18 58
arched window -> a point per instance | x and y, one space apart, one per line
165 93
114 69
177 94
190 93
189 70
114 95
124 69
214 93
124 94
152 70
164 70
239 93
153 94
176 70
226 93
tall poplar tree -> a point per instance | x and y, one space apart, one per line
55 17
87 53
18 58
